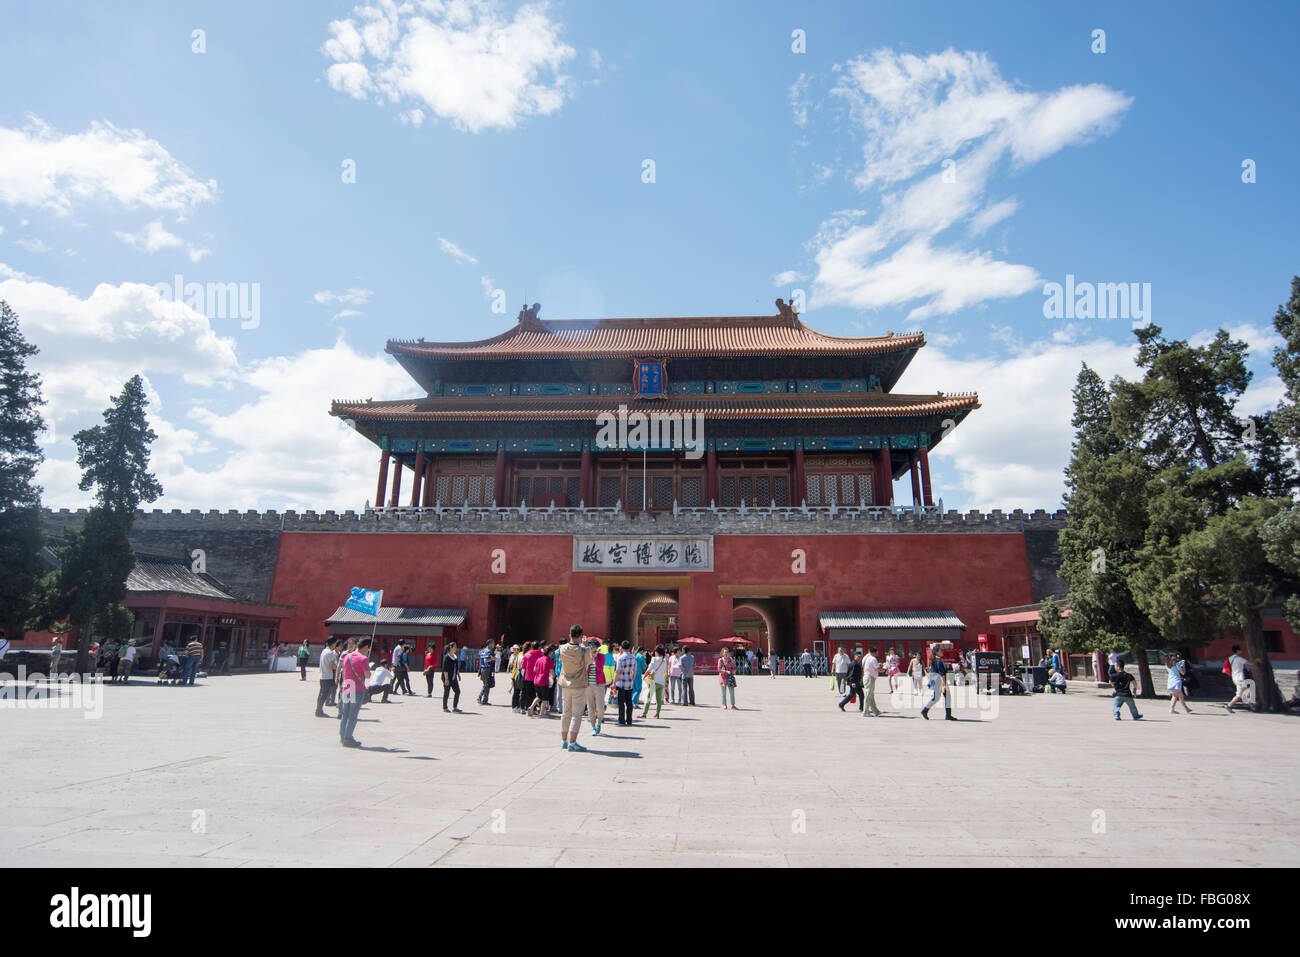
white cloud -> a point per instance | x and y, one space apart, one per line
43 168
277 446
90 346
461 59
456 253
350 297
1011 452
153 237
991 215
787 277
34 245
935 131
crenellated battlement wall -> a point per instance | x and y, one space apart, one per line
850 521
243 549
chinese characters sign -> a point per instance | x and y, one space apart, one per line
651 380
648 553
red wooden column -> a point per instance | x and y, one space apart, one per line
499 481
157 634
926 496
800 490
584 477
396 499
417 478
916 479
886 496
383 480
427 497
711 477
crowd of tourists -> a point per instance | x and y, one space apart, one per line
576 680
855 676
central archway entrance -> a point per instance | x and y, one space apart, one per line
769 622
645 617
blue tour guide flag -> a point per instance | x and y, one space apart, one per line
365 600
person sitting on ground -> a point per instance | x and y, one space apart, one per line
1294 703
1056 682
379 680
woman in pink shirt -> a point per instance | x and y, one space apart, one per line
526 676
543 668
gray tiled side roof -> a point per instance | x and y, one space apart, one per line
394 615
890 619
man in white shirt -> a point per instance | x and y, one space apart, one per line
127 661
328 665
841 669
380 680
870 672
806 660
1243 684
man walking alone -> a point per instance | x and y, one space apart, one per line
938 679
624 681
487 670
853 678
1122 683
870 672
687 662
328 658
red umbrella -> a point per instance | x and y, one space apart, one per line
692 640
736 638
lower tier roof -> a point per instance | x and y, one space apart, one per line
589 407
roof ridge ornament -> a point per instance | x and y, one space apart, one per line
528 318
787 312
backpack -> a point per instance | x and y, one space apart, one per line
1227 666
566 660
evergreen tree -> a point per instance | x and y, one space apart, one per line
1105 528
1286 359
1282 531
1202 568
114 459
21 538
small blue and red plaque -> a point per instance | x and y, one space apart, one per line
651 381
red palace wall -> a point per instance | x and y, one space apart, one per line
965 573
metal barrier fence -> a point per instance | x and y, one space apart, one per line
794 665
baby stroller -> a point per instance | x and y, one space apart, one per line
170 669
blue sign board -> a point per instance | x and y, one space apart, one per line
650 379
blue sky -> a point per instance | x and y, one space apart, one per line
502 147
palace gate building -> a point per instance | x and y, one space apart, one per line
522 489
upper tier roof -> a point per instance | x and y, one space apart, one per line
654 338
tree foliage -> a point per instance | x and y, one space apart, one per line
114 458
21 424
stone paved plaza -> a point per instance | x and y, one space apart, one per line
237 771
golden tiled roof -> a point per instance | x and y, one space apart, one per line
782 334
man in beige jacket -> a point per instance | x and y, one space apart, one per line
574 659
